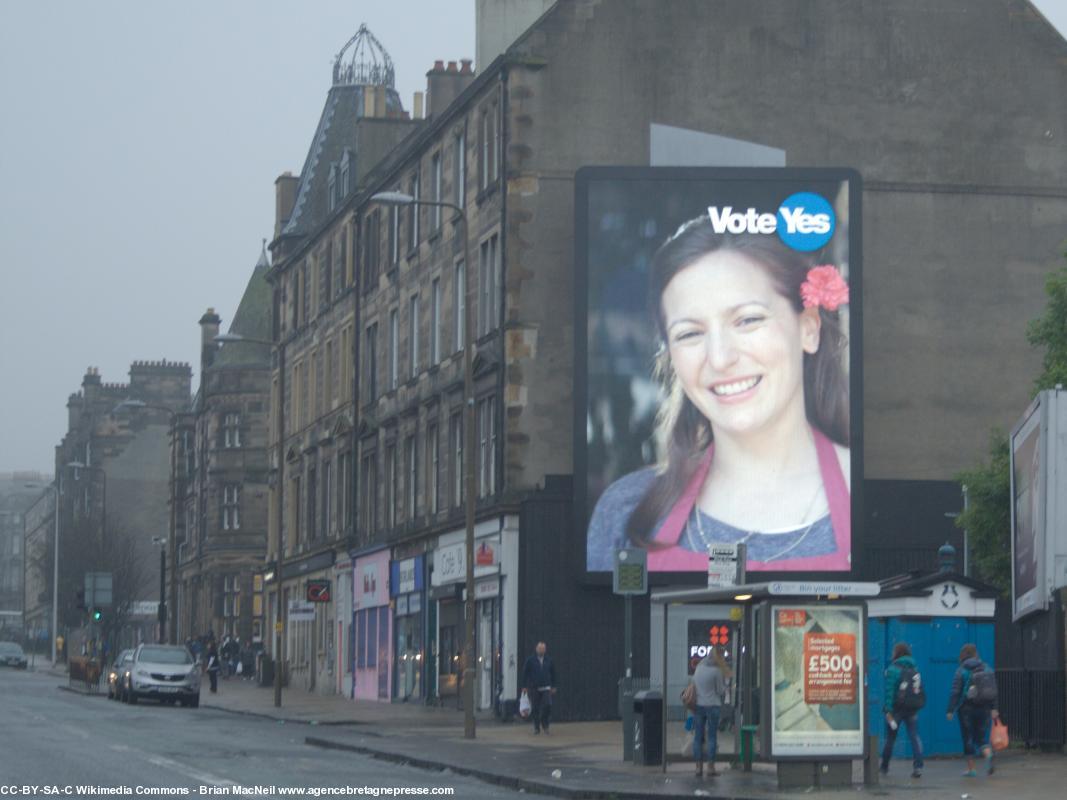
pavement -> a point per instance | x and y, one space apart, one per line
584 759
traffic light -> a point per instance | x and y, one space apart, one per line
97 615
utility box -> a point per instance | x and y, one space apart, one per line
648 728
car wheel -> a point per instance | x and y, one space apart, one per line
194 701
132 697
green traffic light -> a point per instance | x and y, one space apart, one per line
96 616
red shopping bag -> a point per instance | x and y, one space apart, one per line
998 737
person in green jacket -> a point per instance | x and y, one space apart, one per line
904 696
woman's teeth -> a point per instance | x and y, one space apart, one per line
727 389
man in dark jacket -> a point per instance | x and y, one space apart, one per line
974 699
902 680
539 683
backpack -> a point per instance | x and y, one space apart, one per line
982 688
910 695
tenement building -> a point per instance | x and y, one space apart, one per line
115 493
221 477
371 299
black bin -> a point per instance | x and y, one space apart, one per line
266 671
648 728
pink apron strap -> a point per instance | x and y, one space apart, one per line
680 559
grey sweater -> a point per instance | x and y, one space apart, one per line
710 683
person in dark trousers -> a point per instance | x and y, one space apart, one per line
974 701
539 682
213 667
899 709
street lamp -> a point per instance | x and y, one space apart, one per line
223 338
129 403
162 542
402 199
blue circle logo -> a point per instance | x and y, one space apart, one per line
806 221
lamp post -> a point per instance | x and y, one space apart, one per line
402 199
162 542
280 445
172 533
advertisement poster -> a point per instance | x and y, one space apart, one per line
817 675
721 317
1028 541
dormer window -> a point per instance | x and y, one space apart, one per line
346 171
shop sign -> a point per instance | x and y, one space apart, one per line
318 591
406 576
367 585
484 590
415 603
301 611
449 564
485 555
402 605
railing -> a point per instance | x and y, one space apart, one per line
1033 705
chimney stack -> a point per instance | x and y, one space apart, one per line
284 199
209 329
445 84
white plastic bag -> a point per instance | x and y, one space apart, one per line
687 744
524 705
240 668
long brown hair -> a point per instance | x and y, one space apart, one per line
686 431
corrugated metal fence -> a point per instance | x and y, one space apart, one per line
1033 705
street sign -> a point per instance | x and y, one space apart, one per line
278 626
722 566
318 591
97 589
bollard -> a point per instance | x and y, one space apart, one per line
870 763
748 733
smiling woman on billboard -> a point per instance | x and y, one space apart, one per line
755 425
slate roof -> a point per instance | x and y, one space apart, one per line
335 132
252 319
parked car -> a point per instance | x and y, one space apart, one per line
163 672
11 655
116 676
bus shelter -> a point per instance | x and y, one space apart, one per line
798 650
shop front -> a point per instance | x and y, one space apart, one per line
407 587
495 622
308 625
372 626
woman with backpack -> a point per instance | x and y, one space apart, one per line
904 697
974 700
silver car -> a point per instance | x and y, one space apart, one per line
164 672
11 655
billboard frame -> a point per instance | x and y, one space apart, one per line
587 175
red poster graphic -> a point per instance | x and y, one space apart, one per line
830 668
792 617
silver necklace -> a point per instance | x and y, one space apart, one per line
693 545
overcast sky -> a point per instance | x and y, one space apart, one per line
139 143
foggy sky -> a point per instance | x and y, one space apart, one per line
139 143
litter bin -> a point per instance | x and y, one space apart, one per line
627 691
266 670
648 728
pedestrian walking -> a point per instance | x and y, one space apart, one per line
709 679
974 702
904 697
213 667
539 682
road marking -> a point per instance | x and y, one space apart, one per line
159 761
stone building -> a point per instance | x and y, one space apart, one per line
314 288
951 115
221 475
113 470
39 532
18 492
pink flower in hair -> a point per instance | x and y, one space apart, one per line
824 288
